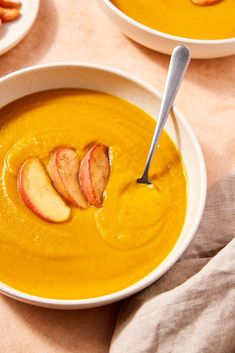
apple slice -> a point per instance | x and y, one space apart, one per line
94 174
38 194
205 2
13 4
63 168
8 15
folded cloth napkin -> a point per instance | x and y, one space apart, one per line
191 309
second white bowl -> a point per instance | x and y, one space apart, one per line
163 42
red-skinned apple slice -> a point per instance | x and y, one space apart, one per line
206 2
11 4
94 174
63 168
38 194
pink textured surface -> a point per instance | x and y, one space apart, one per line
77 30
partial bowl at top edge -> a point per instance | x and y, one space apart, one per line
164 42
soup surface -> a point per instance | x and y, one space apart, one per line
98 251
182 17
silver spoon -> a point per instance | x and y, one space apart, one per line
178 65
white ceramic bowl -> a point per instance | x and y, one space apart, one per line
89 76
163 42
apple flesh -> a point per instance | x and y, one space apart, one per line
94 174
38 194
63 168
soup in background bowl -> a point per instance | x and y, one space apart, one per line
208 31
110 250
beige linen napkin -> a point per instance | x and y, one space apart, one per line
187 311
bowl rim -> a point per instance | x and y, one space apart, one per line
164 35
167 262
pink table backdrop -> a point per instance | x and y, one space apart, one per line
77 30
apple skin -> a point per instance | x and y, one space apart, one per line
38 194
63 169
94 173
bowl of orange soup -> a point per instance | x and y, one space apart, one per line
76 229
205 26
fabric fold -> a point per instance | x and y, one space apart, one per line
191 309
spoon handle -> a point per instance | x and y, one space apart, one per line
178 65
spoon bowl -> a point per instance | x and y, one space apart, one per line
144 180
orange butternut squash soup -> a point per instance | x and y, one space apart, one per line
74 222
183 17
